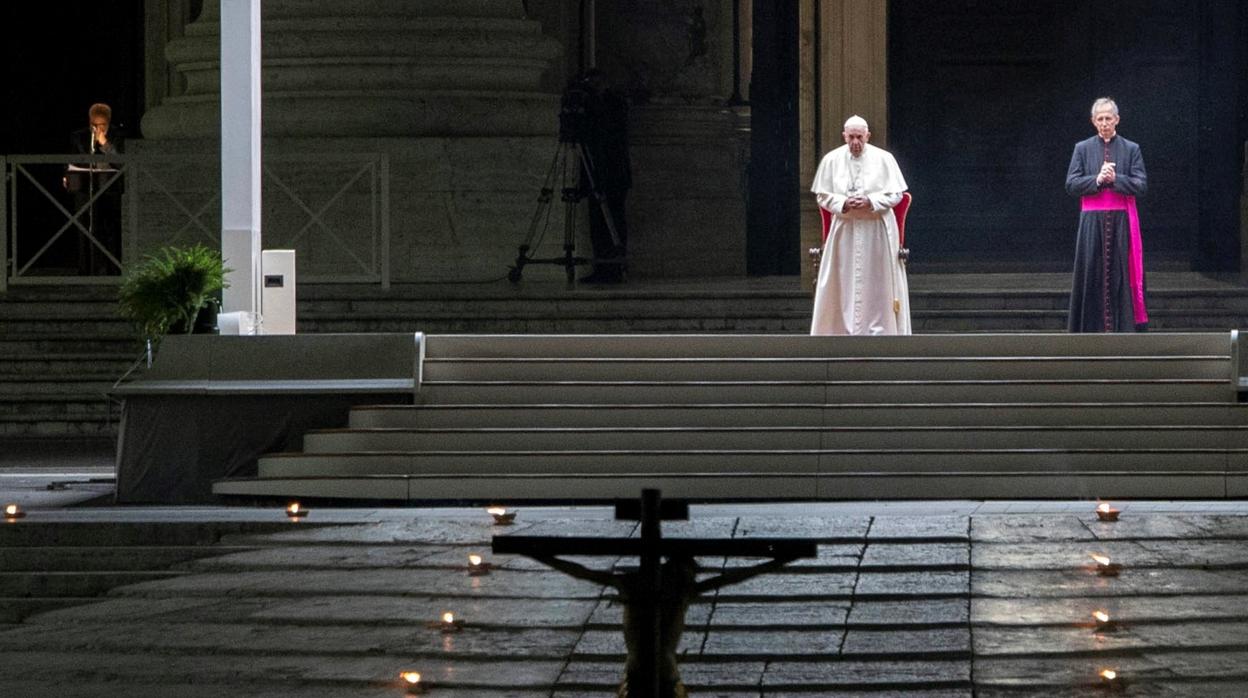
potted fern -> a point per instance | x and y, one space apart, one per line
166 291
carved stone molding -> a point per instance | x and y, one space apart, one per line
355 68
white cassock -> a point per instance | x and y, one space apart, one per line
862 286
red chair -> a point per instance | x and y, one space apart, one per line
900 210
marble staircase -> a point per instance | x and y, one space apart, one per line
64 346
741 417
62 349
56 564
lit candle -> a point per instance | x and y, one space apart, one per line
1103 622
1104 512
502 517
1105 568
13 512
448 623
411 681
477 566
295 511
1111 680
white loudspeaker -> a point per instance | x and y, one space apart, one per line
277 292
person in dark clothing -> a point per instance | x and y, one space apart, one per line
1107 174
101 217
606 177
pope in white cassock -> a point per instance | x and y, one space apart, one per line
862 286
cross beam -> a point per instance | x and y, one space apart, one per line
704 547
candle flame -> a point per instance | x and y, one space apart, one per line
496 511
412 677
10 510
474 560
293 508
1104 508
1101 616
1109 674
448 617
1100 559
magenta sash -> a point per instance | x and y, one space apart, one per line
1110 200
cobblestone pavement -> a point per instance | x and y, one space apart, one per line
929 599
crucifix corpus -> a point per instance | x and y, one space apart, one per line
657 595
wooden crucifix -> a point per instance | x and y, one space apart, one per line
658 594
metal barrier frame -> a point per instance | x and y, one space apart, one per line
373 263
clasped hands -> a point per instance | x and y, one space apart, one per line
1107 175
856 202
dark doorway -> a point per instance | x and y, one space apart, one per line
773 231
988 97
60 58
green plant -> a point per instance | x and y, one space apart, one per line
166 289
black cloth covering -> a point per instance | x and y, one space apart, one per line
174 446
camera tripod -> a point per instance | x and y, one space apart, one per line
570 193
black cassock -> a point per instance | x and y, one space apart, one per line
1101 297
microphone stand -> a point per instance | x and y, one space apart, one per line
91 205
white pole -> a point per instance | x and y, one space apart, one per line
240 155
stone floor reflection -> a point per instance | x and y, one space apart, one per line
928 599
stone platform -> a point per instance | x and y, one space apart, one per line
948 599
769 417
66 345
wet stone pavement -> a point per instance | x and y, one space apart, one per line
916 605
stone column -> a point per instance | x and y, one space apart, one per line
449 91
164 21
844 71
673 58
361 68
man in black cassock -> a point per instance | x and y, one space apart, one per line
96 194
1107 174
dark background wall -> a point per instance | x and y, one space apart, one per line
988 97
59 58
772 228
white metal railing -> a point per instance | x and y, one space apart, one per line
332 209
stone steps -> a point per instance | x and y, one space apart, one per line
548 416
877 438
80 385
53 332
51 565
901 603
1010 303
63 349
100 558
70 584
820 463
862 368
721 392
1161 416
88 365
